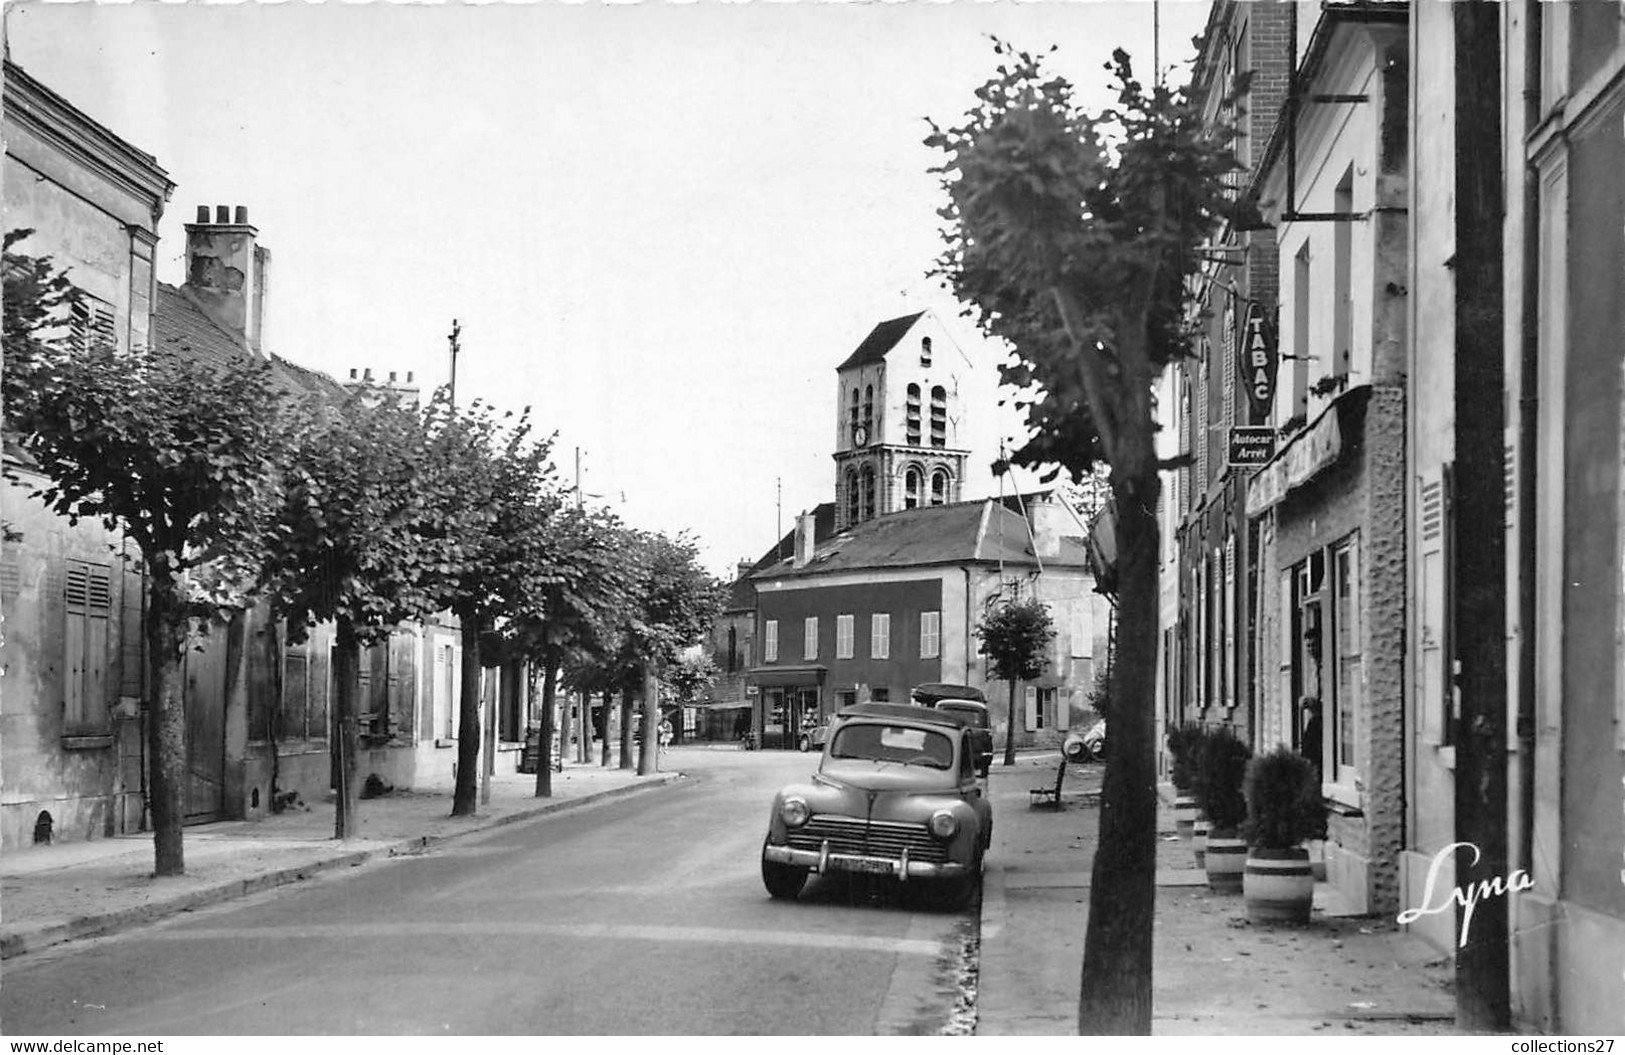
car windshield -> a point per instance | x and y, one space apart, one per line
894 743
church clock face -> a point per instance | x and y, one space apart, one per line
860 436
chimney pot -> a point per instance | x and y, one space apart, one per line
202 214
352 373
242 214
367 376
409 377
222 214
392 377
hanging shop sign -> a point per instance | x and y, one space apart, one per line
1258 359
1251 444
1308 453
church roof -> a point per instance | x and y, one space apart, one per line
882 339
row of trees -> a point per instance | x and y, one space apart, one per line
242 487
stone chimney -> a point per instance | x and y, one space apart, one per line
743 569
804 539
228 272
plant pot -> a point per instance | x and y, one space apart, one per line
1184 813
1199 838
1226 860
1279 886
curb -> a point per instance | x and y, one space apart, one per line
19 944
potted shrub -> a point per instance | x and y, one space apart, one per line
1219 792
1183 742
1284 809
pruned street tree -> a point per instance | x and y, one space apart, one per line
495 464
181 456
688 676
1015 636
585 582
1072 236
676 603
368 537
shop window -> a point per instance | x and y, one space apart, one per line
1348 649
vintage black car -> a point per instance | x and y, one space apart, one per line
969 701
895 794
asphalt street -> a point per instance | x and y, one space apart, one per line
643 915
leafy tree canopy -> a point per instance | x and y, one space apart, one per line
1015 638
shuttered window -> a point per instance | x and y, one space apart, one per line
87 603
1433 530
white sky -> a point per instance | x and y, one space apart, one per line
662 226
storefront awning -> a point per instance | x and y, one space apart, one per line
1310 451
805 674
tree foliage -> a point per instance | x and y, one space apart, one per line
1073 236
180 455
1015 638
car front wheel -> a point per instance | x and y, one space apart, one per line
783 881
805 743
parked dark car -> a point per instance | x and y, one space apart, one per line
895 794
969 701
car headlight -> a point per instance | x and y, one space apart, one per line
794 812
944 824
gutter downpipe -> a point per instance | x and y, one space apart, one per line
969 652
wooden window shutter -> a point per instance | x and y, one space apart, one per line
1435 694
88 603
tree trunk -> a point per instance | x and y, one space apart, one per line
166 723
649 748
544 740
466 792
346 687
274 661
609 703
626 729
1010 727
1483 1000
1115 998
584 729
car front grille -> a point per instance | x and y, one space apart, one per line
854 835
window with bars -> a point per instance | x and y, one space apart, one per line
911 417
912 480
88 603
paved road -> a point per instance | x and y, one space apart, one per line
642 916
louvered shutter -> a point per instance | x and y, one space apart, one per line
1433 534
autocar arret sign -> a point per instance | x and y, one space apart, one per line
1258 359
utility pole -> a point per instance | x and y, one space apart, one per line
456 346
1483 1001
578 479
778 519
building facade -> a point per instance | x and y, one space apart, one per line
71 743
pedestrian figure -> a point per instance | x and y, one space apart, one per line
665 734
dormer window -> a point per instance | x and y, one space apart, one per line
925 351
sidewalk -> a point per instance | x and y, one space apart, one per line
54 894
1215 974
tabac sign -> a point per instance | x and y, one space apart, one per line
1258 360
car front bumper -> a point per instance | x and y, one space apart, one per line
827 860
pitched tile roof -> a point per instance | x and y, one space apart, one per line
882 339
980 532
184 326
